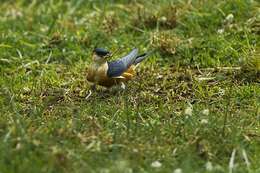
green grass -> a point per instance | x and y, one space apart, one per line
194 102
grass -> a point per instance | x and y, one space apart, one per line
194 102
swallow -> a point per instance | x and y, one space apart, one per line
109 73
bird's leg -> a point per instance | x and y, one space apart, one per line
123 85
93 87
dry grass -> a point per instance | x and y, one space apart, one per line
155 16
165 42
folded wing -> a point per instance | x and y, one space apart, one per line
118 67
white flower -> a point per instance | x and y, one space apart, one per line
104 170
135 150
205 112
221 92
115 40
188 111
220 31
229 18
156 164
163 19
209 166
204 121
178 170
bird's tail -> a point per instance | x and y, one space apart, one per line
141 57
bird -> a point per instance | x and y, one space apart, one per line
109 73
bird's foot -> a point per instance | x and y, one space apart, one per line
90 93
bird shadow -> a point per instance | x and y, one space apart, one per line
105 93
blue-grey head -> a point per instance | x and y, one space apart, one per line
100 54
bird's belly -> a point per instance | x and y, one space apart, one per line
108 82
99 76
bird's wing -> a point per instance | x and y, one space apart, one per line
140 58
116 68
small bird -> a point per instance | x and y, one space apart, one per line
104 73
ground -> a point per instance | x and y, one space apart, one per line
193 107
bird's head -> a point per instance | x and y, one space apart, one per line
100 55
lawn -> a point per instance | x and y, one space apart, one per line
194 105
